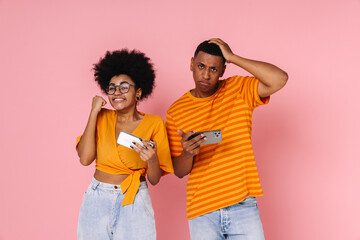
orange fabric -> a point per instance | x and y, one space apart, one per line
223 174
116 160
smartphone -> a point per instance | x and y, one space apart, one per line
213 136
126 139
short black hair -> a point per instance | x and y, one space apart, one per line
210 48
131 63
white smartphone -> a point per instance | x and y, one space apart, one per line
126 139
213 136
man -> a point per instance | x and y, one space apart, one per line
223 182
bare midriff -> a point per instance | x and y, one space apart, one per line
111 178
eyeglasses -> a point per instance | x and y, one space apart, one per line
124 87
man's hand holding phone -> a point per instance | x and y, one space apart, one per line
191 147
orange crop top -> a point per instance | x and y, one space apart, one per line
116 159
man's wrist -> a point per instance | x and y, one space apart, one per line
186 155
232 58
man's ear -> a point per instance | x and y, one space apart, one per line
192 64
223 70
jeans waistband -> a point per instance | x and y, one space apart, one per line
108 186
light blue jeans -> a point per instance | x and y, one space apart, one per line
103 218
240 221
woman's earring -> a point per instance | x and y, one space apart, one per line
137 98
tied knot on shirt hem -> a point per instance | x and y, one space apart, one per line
130 186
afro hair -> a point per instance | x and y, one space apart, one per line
131 63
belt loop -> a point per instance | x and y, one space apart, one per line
95 185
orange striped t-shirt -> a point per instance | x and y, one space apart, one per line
223 174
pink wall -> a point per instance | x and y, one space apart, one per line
305 140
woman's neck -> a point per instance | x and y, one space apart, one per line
128 116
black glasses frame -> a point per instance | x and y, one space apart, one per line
113 91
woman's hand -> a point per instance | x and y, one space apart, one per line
149 155
146 152
97 103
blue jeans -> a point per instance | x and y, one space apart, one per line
102 216
240 221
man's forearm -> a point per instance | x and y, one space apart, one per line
267 73
183 165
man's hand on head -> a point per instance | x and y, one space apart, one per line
224 47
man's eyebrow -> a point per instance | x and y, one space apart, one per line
201 63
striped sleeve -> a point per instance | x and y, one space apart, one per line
174 137
249 91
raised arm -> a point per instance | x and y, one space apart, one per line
271 78
87 144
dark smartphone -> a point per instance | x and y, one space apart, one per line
213 136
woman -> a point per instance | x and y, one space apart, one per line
117 203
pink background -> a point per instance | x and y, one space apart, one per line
305 140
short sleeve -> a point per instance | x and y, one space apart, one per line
79 138
163 150
77 142
249 92
173 135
